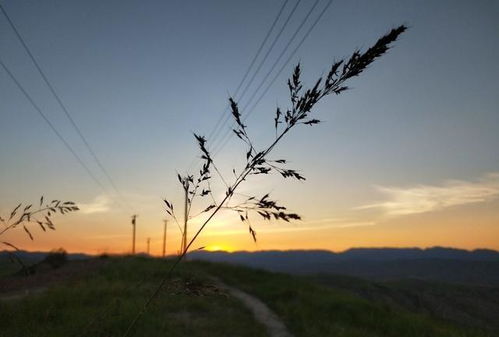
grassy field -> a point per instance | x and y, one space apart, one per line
105 301
7 267
311 309
466 305
102 302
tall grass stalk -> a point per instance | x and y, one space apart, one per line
257 161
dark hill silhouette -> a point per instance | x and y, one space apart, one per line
34 256
453 265
479 267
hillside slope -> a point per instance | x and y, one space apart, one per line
311 309
466 305
103 301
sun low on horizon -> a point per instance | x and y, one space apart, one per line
128 118
218 248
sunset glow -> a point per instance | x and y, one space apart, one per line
249 168
387 167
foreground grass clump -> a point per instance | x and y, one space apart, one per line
309 309
103 302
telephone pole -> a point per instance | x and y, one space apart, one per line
134 218
186 206
164 237
148 245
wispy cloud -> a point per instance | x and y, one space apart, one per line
127 201
428 198
101 204
307 226
337 223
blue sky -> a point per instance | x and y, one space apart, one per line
140 77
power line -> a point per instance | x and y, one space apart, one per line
52 127
251 64
59 101
224 116
226 136
283 52
269 50
245 90
288 59
229 134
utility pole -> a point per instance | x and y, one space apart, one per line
148 245
164 237
134 218
186 205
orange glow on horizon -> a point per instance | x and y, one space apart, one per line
468 228
218 247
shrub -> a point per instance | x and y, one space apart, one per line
56 258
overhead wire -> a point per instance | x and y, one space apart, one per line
228 135
52 127
283 51
63 106
225 116
288 59
262 44
245 90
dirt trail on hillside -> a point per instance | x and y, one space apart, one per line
21 294
18 286
275 327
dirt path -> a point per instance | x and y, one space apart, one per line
275 327
16 287
20 294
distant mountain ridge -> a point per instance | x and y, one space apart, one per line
373 254
38 256
480 266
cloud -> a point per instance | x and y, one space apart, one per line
101 204
337 223
124 202
307 226
429 198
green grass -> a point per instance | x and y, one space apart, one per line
113 296
466 305
310 309
190 306
7 267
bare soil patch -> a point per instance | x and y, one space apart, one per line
16 286
262 313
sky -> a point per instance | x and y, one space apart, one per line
408 157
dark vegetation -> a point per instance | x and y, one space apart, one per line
192 305
42 274
56 258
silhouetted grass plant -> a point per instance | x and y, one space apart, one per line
257 160
41 216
